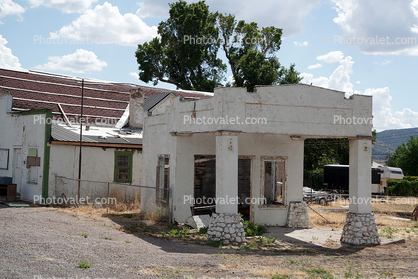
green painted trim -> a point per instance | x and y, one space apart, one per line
47 154
130 154
37 111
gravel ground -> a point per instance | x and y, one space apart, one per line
42 243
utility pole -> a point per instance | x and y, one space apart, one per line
81 137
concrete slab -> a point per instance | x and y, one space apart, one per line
323 237
199 221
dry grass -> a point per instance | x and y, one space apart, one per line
337 219
124 205
117 211
385 214
386 205
269 271
333 219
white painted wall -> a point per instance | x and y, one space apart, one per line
97 164
182 169
301 110
162 106
20 131
289 109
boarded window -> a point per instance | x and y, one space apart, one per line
32 163
274 182
163 182
123 166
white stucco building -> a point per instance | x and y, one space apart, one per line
250 145
38 141
34 148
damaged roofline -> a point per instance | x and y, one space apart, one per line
98 144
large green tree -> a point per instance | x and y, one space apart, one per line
173 58
320 152
251 51
406 157
185 53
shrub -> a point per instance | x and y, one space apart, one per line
203 230
317 177
252 229
406 187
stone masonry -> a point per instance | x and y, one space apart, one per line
298 215
360 229
227 228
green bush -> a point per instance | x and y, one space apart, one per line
406 187
203 230
252 229
317 177
410 178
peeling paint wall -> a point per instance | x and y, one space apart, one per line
291 110
22 132
136 108
97 164
163 105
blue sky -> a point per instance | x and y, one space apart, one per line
363 47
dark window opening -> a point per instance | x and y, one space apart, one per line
163 178
205 185
274 182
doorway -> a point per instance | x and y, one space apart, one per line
205 185
17 167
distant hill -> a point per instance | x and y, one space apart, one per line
388 140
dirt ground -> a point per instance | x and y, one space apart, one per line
39 242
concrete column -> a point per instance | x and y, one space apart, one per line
183 177
227 171
360 175
225 225
360 225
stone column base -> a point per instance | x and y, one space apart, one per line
360 229
298 215
227 228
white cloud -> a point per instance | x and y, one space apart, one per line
155 8
65 6
382 112
340 78
105 24
304 43
382 63
331 57
408 116
414 6
7 59
316 66
8 8
378 26
289 15
135 75
78 62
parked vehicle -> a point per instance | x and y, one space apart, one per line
336 178
319 197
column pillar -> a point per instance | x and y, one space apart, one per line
225 224
227 171
360 226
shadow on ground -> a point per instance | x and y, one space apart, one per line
289 241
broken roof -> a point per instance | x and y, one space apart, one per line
108 135
102 101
